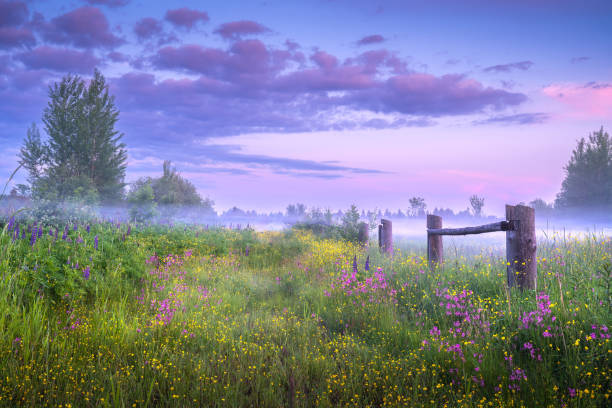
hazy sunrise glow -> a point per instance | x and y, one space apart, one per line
264 103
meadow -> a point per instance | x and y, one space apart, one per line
107 314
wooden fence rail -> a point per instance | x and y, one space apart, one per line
520 243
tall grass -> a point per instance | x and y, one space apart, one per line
185 316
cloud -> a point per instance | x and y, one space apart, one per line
518 119
428 95
590 100
186 18
117 57
252 87
221 155
522 65
59 59
13 13
109 3
85 27
11 37
147 27
371 39
576 60
237 29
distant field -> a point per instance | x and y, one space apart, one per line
112 315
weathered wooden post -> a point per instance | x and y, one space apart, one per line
435 250
364 233
385 236
521 247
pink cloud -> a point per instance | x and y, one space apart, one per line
324 60
246 62
585 101
371 39
118 56
84 27
109 3
147 27
186 18
11 37
13 13
377 80
59 59
425 94
236 29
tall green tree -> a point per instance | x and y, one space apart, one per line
83 155
588 174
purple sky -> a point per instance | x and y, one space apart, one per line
264 103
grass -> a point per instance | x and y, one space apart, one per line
182 316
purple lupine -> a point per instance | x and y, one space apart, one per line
96 243
10 223
129 231
88 228
76 226
367 263
65 234
86 273
34 235
355 263
246 251
40 232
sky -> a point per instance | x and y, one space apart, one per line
326 102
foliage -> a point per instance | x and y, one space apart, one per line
296 210
172 192
186 316
321 224
540 206
588 174
417 206
83 158
477 203
142 205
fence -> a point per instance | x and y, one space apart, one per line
520 243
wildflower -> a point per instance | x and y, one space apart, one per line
96 242
86 273
367 263
355 263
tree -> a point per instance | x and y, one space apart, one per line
296 210
588 174
171 190
141 202
417 206
540 206
477 203
83 156
350 224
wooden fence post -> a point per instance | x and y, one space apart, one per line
435 249
385 236
521 248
